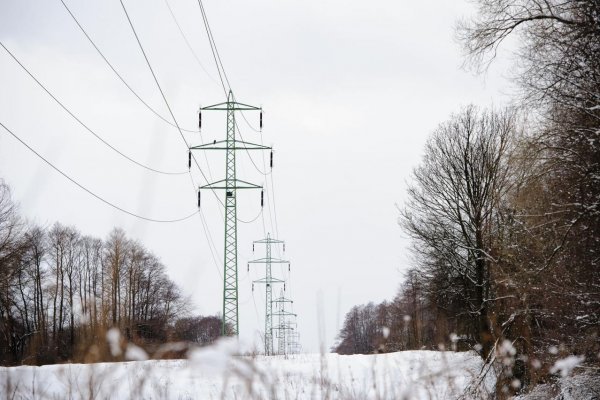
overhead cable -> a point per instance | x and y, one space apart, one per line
89 191
87 128
119 75
164 97
189 46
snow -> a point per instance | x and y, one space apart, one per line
215 373
585 385
385 331
135 353
566 365
113 337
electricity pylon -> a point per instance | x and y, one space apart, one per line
293 343
283 326
230 184
268 280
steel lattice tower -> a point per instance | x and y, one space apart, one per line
283 326
268 280
231 185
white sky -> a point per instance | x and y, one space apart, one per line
350 90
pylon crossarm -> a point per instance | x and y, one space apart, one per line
266 280
268 261
238 184
268 241
282 300
231 105
285 313
283 328
237 145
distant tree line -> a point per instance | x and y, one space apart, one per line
504 209
60 291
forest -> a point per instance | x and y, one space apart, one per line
61 290
504 209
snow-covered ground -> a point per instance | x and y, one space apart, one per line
581 386
211 373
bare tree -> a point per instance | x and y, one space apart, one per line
460 184
115 254
557 216
12 228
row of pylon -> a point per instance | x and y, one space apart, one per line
284 331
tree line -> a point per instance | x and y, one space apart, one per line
60 291
504 209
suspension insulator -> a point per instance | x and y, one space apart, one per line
199 198
189 159
262 198
248 267
289 267
271 158
284 287
261 125
253 247
253 286
284 247
199 120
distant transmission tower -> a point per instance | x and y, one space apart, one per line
230 184
293 343
284 327
268 280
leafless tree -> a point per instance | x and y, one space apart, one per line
556 235
460 184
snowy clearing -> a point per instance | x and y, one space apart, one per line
210 375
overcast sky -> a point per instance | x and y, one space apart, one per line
351 90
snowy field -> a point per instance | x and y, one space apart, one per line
208 374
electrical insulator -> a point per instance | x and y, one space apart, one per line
248 267
284 247
198 198
261 119
253 286
284 287
199 120
189 159
271 158
289 267
253 247
262 198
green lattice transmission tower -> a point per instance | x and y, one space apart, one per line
268 280
284 327
230 184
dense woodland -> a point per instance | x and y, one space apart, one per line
60 291
504 209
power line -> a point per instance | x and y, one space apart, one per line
164 97
89 191
207 233
274 208
202 220
189 46
249 155
215 51
251 220
204 224
249 125
118 74
220 67
87 128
